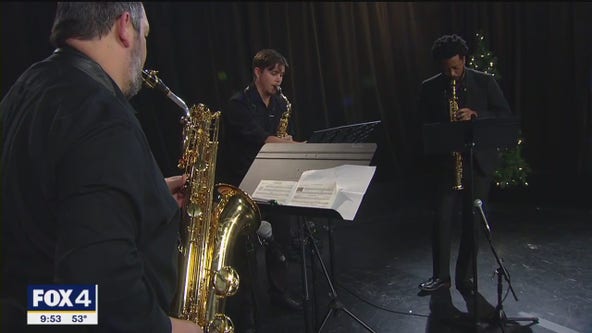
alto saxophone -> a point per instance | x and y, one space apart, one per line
282 130
213 217
458 163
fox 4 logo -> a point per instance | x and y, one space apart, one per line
62 297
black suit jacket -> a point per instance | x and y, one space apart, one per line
84 201
478 91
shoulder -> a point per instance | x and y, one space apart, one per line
433 80
431 84
478 75
77 97
241 96
64 87
237 95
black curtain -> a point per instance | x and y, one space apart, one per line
353 62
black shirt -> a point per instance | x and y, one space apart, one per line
247 122
83 200
476 90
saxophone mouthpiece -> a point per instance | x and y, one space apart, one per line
151 79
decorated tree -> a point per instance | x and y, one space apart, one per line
482 59
513 170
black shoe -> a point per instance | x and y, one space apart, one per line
433 284
285 300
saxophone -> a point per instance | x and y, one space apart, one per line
282 130
213 217
458 163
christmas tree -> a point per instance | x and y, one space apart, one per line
482 59
513 170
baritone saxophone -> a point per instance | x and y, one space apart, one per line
212 218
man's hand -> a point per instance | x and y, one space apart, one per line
176 185
275 139
184 326
465 114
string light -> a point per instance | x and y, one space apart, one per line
513 170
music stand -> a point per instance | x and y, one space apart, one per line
279 161
466 137
354 133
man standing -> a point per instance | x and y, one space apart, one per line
478 96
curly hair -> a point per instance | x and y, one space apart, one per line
447 46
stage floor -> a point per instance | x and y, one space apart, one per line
381 258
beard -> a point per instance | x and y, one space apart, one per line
135 72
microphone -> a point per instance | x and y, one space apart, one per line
265 230
477 204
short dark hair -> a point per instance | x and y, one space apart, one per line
447 46
268 58
88 20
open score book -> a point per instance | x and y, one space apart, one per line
340 188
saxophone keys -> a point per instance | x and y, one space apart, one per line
221 323
226 281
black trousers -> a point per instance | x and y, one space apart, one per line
453 206
243 307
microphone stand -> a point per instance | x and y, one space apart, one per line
500 316
469 147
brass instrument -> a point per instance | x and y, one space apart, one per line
151 79
458 163
213 217
282 130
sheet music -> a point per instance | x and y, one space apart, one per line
321 195
278 190
341 188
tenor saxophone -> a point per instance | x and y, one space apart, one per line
213 217
282 130
458 163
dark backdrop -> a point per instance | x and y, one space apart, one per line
354 62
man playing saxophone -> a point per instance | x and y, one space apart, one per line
255 116
457 94
83 199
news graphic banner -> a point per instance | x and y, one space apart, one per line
62 304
